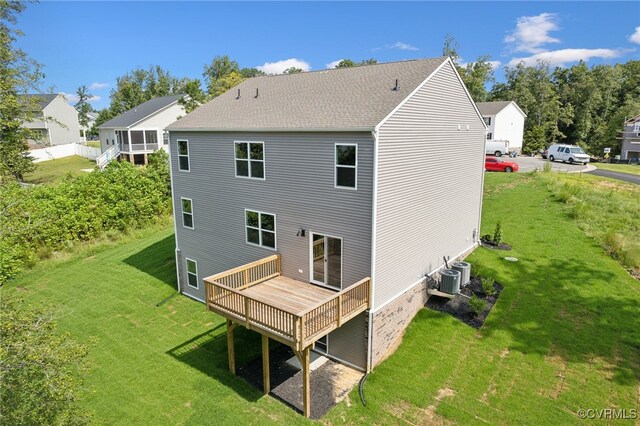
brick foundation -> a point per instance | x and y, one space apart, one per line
389 322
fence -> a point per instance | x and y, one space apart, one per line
61 151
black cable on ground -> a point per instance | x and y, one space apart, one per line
362 389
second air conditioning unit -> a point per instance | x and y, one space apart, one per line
465 271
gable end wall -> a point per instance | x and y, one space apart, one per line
429 193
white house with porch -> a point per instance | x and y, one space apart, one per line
134 134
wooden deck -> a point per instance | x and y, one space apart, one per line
293 312
289 295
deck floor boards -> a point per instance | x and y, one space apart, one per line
288 294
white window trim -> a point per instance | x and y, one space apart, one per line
193 222
336 165
188 155
315 282
275 229
186 263
249 160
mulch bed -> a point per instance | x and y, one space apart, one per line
459 305
491 245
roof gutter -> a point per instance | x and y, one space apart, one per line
268 129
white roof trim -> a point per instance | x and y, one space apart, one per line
401 104
515 105
421 85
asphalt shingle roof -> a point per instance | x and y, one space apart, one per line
491 108
139 112
42 99
345 98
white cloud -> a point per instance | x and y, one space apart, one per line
635 37
563 56
402 46
532 32
279 66
72 98
334 64
96 86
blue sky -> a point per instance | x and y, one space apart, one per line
92 43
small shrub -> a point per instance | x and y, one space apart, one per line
486 238
475 270
546 168
477 305
487 286
497 234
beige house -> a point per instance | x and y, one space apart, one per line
55 121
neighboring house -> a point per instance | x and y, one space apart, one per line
54 119
631 139
140 131
505 121
335 185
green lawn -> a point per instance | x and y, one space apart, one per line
564 335
634 169
52 171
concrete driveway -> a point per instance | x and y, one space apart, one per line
529 164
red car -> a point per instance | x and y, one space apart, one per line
492 164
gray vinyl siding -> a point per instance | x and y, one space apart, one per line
298 190
429 186
630 142
349 342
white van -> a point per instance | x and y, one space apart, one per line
497 147
567 153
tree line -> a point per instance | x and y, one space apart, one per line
577 105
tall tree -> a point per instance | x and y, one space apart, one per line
82 106
532 89
348 63
141 85
475 75
225 83
196 96
450 48
39 368
19 74
293 70
220 67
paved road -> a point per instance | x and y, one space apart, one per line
529 164
627 177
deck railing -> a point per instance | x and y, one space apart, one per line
224 295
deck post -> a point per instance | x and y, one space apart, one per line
306 388
230 347
265 365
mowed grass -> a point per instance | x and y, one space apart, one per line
564 335
53 171
633 169
149 365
